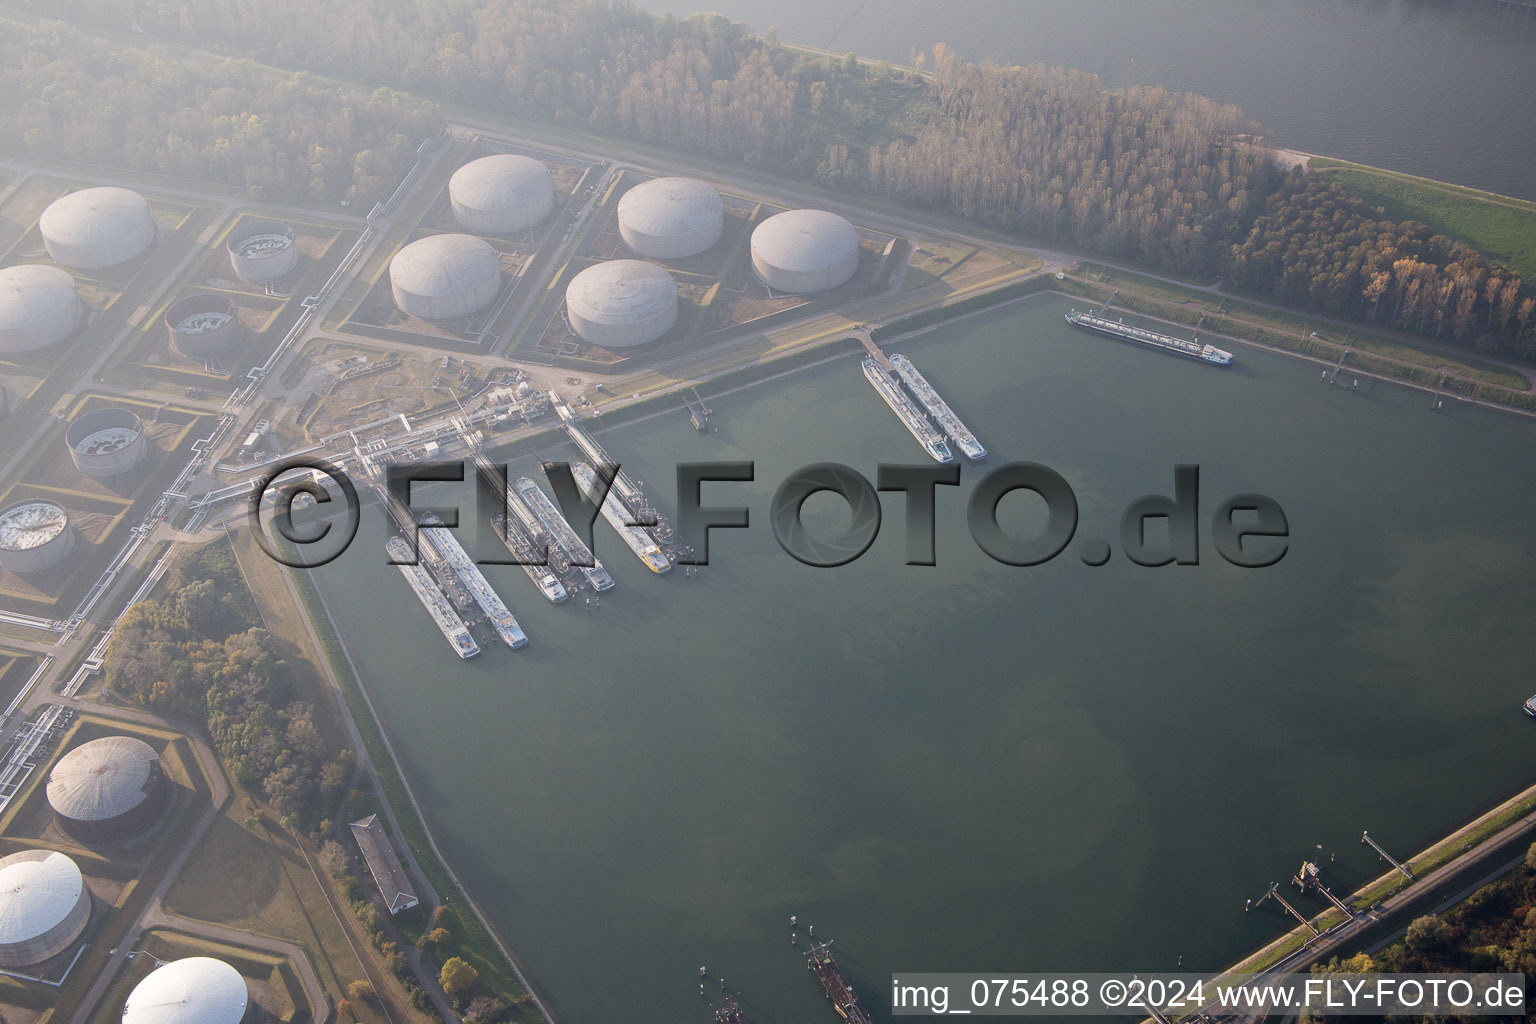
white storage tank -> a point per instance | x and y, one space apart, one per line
203 326
621 303
97 227
497 195
193 990
445 277
44 906
104 443
39 305
35 536
804 251
108 789
262 250
670 218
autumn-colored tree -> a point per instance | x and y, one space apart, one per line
457 976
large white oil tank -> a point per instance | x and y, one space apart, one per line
621 303
35 536
97 227
203 326
670 218
803 251
445 277
104 443
108 789
44 906
193 990
39 305
497 195
262 250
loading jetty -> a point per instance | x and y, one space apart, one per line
628 493
698 412
1192 349
906 410
576 551
939 409
432 598
641 543
844 1000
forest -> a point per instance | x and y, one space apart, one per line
198 652
1168 180
281 137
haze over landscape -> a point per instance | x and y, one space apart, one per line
450 563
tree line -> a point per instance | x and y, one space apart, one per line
198 652
1172 180
1315 245
281 137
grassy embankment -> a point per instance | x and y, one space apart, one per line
1501 227
470 939
1437 855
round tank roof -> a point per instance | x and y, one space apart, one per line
503 192
34 293
195 990
442 265
103 779
621 292
96 217
39 890
672 208
804 240
31 524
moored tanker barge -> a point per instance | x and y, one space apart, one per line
640 542
575 550
1178 346
447 547
844 1000
910 415
431 596
939 409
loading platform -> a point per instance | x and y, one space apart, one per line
634 499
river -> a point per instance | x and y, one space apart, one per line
972 766
1440 89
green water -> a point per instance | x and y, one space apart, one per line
972 766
